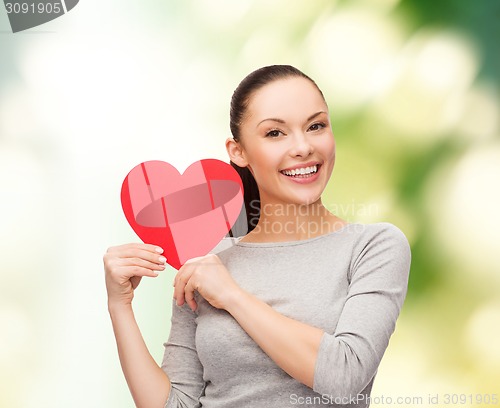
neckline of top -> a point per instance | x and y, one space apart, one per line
296 242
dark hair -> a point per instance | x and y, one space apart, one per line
239 105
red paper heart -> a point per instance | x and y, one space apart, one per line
187 215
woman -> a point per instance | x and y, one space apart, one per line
300 310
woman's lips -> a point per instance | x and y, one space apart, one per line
304 178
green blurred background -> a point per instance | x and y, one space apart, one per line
412 87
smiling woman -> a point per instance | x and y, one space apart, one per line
302 307
286 134
273 110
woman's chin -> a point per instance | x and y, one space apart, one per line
305 200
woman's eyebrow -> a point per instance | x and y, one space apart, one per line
282 121
272 119
314 115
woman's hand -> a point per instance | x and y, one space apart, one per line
125 265
209 277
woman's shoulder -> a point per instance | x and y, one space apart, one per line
387 232
376 239
383 230
362 233
382 239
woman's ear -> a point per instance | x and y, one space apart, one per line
235 152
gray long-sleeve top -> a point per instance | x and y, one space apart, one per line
351 283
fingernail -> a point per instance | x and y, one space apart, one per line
156 272
162 259
159 250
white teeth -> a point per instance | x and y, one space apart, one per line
303 170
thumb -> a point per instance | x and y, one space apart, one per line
135 280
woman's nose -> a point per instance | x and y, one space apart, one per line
301 145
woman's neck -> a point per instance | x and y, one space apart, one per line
293 222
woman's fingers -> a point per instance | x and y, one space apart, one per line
138 255
143 263
181 280
125 266
185 284
131 271
146 247
135 280
153 257
112 262
189 295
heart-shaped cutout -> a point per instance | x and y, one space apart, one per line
187 215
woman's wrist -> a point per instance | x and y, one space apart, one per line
235 299
115 307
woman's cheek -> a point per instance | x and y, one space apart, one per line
330 147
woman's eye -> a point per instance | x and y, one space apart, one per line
317 126
273 133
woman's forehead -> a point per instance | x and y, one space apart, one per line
286 97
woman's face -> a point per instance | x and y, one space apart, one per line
287 141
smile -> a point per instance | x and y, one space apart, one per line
303 172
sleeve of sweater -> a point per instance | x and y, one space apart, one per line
181 362
180 359
349 357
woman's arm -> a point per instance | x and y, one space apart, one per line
340 363
148 383
124 267
291 344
